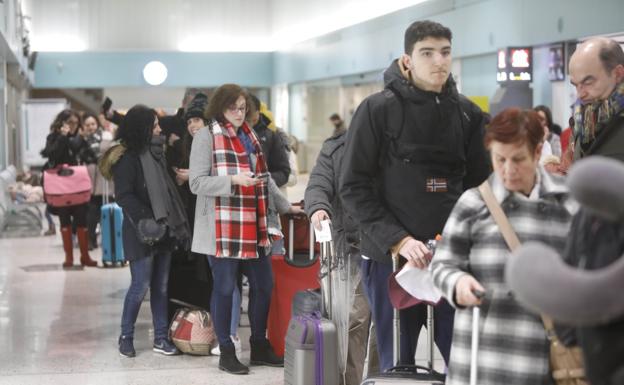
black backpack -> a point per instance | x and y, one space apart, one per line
394 119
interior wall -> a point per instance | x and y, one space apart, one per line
168 98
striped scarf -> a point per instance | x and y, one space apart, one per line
590 118
241 219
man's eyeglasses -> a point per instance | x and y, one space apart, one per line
234 110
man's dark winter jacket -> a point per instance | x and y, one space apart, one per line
596 243
409 155
274 150
322 193
609 141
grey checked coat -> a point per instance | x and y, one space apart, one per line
513 348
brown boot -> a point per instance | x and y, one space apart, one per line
83 243
66 235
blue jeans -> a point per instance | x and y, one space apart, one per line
152 273
224 273
236 310
375 279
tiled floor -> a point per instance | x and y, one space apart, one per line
61 327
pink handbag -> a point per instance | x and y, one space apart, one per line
67 185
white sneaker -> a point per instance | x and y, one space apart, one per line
237 344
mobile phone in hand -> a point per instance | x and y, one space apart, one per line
107 104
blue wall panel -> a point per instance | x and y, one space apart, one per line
479 28
125 69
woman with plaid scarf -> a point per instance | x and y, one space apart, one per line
229 175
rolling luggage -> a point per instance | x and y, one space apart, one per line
299 236
312 341
293 272
306 302
409 374
111 227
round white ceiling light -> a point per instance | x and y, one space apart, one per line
155 73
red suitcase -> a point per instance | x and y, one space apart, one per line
296 271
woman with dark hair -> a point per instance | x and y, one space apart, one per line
551 130
471 256
190 280
228 172
148 197
63 146
96 143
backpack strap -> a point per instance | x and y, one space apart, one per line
393 121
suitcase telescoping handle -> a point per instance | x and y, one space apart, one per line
327 260
291 239
474 346
105 197
396 329
396 324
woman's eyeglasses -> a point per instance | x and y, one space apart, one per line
234 110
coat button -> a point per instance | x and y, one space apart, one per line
541 207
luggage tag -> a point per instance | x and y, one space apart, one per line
324 234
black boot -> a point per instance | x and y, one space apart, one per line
262 354
228 361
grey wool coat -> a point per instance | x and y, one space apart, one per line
208 187
513 348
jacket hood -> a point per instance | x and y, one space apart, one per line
398 79
109 159
263 123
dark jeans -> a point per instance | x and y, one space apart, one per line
75 216
375 278
93 217
152 273
225 275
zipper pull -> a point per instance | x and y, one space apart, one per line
437 100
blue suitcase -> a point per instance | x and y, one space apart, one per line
112 245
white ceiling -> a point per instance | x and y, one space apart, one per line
192 25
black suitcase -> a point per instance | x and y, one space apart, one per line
306 302
409 374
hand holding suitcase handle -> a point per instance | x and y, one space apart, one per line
317 217
468 291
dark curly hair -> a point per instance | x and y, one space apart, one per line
420 30
224 97
135 131
63 117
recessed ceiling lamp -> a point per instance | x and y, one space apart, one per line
155 73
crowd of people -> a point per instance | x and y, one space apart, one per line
408 167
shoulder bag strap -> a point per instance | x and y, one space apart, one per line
511 238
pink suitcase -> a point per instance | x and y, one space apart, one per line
67 185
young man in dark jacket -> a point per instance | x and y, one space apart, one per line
273 146
411 150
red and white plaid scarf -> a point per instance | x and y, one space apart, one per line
241 219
